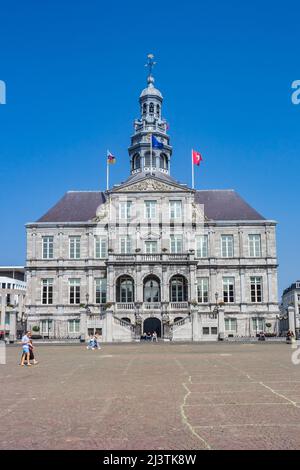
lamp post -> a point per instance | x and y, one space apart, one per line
138 319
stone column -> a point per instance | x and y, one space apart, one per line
195 324
221 323
3 309
291 316
83 324
108 327
12 325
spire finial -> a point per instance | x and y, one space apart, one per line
150 64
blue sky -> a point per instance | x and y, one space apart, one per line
74 71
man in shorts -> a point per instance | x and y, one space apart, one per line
26 351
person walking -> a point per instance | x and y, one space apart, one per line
25 348
97 341
91 344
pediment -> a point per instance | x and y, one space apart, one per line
151 184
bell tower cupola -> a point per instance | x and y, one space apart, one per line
150 151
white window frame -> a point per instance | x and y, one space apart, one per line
45 326
125 210
175 209
226 283
176 243
150 209
101 287
74 283
74 246
151 244
100 247
256 281
125 244
201 246
227 246
230 325
256 322
254 245
203 290
48 247
73 326
47 283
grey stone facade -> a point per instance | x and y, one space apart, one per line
162 249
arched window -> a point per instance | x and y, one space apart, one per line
144 109
136 162
178 289
163 161
151 108
126 319
157 110
125 289
151 289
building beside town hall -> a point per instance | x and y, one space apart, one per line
12 301
152 254
290 309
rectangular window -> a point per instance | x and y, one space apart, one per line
258 324
227 246
74 247
256 289
151 247
8 299
125 245
175 209
202 289
205 330
176 244
214 330
73 326
48 247
202 246
125 210
100 247
254 246
7 319
45 326
47 291
150 209
74 288
228 289
231 324
100 291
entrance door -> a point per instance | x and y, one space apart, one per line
152 324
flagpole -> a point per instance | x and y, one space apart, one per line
107 174
193 176
150 153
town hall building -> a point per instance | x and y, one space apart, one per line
152 254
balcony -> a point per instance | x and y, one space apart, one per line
179 305
172 258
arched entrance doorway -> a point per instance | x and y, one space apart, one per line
152 324
151 289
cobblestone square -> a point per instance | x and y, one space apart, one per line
152 396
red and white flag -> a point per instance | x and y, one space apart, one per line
197 157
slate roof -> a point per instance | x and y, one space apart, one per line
226 204
81 206
75 206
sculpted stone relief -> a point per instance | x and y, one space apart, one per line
151 185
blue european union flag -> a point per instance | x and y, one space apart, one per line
156 143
